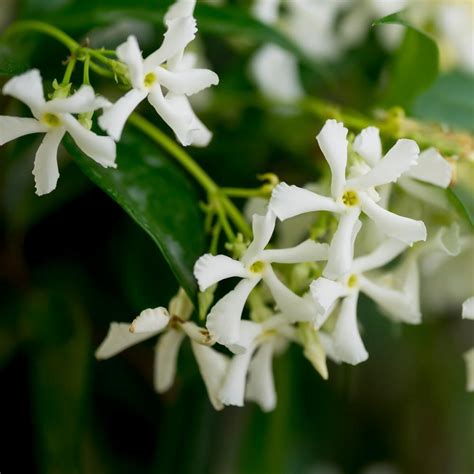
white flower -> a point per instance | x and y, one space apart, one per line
223 320
469 359
174 326
468 308
352 196
54 118
398 304
163 69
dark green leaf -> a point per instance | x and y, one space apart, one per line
158 196
415 64
13 58
462 199
450 100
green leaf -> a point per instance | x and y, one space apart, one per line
158 196
462 199
450 100
14 58
415 65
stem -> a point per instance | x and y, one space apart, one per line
216 232
244 193
87 63
69 70
223 219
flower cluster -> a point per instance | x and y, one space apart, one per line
166 78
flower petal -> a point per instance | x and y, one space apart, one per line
150 320
28 88
266 11
200 134
332 140
114 118
260 383
262 229
341 249
180 9
289 201
307 251
326 294
368 145
291 305
469 359
468 308
187 82
197 333
383 254
101 149
249 331
82 101
166 359
213 367
431 168
179 34
211 269
271 61
448 240
223 320
180 122
130 54
348 344
181 306
396 162
396 304
45 169
118 339
402 228
15 127
314 351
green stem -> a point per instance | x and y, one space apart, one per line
87 63
221 213
69 70
244 193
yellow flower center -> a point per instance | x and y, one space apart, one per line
149 79
350 198
257 267
352 281
51 120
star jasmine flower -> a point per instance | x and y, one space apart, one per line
350 197
173 326
148 76
397 304
223 320
54 118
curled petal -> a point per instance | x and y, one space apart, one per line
341 250
396 304
187 82
130 54
307 251
118 339
327 342
82 101
177 119
15 127
180 32
368 145
289 201
166 359
28 88
200 134
469 359
180 9
181 306
326 294
249 331
223 320
212 366
432 168
114 118
211 269
468 308
271 61
348 345
150 320
402 228
260 384
383 254
291 305
448 240
396 162
262 229
45 169
101 149
197 334
332 140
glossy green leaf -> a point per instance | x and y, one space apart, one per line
158 196
415 64
450 100
462 199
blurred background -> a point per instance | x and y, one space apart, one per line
72 261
